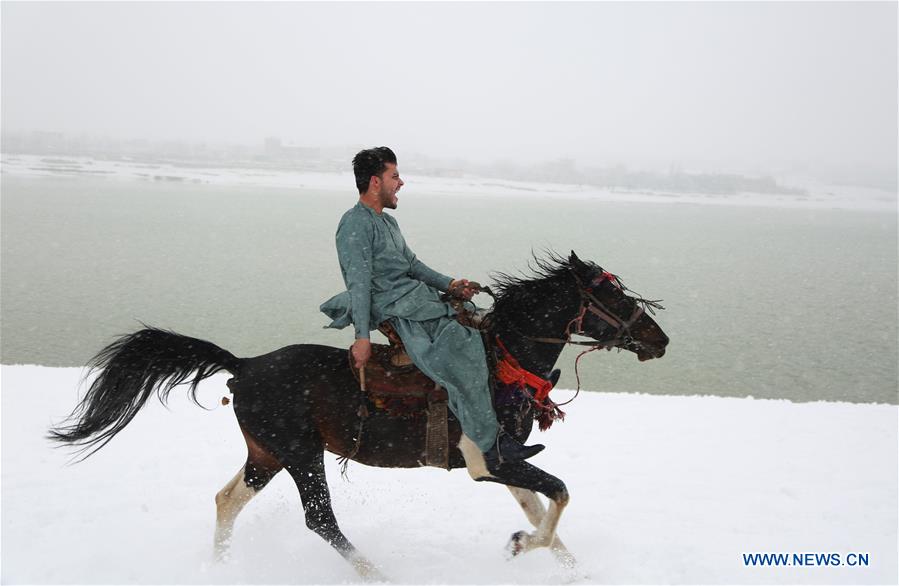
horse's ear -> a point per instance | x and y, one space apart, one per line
576 263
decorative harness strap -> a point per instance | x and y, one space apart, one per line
509 371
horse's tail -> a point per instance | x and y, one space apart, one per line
130 370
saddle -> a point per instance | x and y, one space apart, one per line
395 385
384 378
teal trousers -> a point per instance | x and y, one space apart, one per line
453 356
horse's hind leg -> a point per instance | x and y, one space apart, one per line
535 512
255 474
308 471
228 503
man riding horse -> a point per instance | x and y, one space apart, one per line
386 282
297 402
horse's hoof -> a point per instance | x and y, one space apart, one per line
376 577
517 544
566 560
221 553
222 557
368 571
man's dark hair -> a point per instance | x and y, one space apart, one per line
369 163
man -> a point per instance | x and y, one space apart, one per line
385 281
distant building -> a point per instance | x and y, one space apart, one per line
275 148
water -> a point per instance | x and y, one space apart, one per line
772 303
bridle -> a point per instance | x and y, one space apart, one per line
590 303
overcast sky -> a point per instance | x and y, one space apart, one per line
729 85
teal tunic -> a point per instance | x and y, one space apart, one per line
385 281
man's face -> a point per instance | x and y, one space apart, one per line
390 185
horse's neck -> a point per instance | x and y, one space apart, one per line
549 321
537 357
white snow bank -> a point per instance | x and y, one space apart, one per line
664 490
819 196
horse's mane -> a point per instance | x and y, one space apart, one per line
550 268
542 269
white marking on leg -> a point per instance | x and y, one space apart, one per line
474 458
228 503
530 504
545 534
535 512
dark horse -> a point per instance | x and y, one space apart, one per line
296 402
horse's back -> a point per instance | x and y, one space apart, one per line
297 355
307 393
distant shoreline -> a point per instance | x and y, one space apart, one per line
812 196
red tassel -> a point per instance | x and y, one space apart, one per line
549 413
510 372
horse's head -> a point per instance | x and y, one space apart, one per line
611 316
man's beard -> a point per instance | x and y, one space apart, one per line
387 199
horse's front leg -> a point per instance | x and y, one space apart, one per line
545 535
530 478
535 512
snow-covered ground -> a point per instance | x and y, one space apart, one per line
664 490
819 196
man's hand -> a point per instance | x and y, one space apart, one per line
361 351
463 288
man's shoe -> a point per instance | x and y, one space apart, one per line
508 449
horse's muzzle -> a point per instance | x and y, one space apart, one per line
643 356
